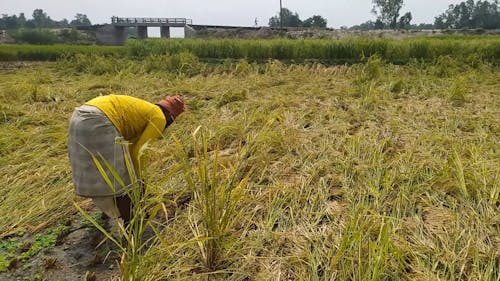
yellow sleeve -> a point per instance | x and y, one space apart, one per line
153 130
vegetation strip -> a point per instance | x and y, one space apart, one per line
486 49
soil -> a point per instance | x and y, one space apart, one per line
80 253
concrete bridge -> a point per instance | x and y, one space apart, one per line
142 24
116 32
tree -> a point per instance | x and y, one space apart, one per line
290 19
80 20
486 15
405 21
368 25
40 19
21 20
8 22
69 35
482 14
315 21
379 24
387 11
62 23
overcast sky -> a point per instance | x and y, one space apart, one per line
222 12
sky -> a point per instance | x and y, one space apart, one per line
223 12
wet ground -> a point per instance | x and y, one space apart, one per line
81 252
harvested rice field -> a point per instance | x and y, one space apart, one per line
276 171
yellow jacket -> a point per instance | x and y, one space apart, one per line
138 121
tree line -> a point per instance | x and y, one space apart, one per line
291 19
40 19
482 14
466 15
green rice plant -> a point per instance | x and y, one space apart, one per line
367 77
420 50
8 55
445 66
328 51
187 64
226 67
242 67
334 52
373 68
4 263
230 97
371 235
397 87
459 174
216 190
179 64
54 52
458 92
274 67
397 53
96 64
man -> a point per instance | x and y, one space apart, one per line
111 130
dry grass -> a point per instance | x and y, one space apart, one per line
393 176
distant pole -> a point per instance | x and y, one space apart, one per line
281 15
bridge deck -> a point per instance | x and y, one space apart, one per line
171 22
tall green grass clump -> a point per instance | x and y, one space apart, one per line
216 191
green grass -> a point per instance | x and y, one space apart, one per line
15 248
54 52
469 49
372 171
330 51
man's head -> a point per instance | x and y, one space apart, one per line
174 105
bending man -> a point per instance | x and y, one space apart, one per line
114 128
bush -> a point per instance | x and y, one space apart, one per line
73 36
35 36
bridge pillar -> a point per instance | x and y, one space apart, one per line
165 31
142 32
110 35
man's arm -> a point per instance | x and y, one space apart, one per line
153 130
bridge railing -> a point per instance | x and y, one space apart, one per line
118 20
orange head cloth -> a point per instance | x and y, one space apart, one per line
174 105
